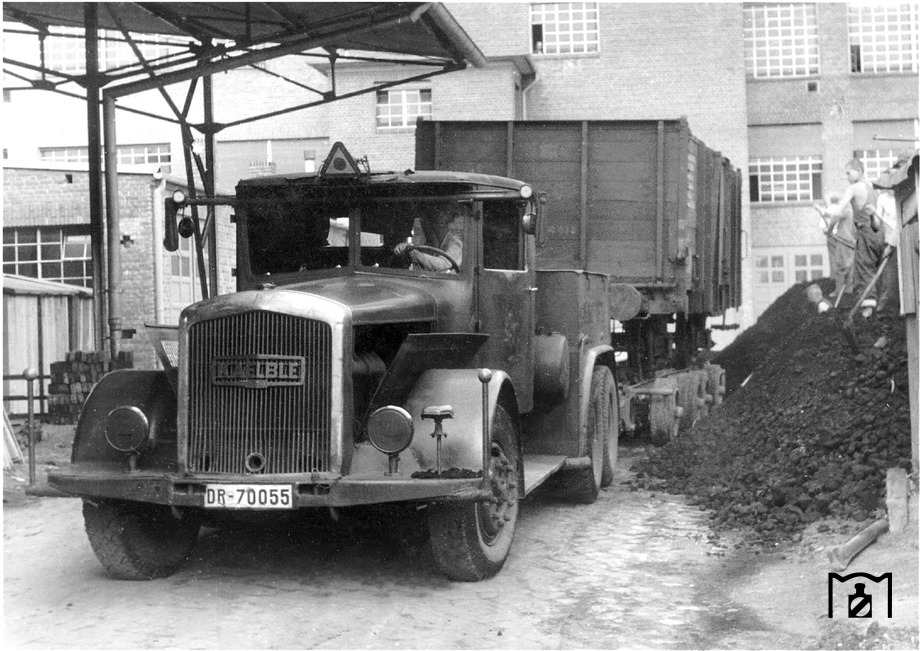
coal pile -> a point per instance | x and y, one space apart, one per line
809 436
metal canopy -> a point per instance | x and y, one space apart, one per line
206 38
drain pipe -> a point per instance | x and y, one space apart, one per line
159 216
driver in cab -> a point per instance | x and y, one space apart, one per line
441 230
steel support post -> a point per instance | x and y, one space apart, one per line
208 180
94 150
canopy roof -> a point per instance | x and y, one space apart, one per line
423 30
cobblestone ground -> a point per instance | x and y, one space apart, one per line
633 570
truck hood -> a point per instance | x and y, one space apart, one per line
373 299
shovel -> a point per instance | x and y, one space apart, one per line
849 327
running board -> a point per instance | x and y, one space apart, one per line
538 468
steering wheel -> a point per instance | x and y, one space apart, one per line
433 251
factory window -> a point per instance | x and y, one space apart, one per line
809 266
58 254
153 154
770 270
883 37
780 40
184 286
876 161
397 110
564 28
781 180
65 49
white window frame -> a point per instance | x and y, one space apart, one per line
770 269
883 37
146 154
808 266
876 161
781 40
397 109
786 179
565 28
57 247
182 283
65 49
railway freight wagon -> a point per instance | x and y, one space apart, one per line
644 202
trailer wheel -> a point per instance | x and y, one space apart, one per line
139 542
715 384
612 440
583 485
471 541
664 418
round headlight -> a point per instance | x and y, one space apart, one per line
126 429
526 192
390 429
179 197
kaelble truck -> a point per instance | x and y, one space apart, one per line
349 369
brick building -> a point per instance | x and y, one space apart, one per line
46 235
789 92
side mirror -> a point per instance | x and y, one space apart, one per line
171 233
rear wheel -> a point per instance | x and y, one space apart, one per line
137 541
471 541
583 484
612 440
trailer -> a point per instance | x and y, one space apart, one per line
649 205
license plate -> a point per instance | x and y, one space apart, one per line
247 496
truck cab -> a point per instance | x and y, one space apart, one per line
386 345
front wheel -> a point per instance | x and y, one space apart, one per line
470 542
137 541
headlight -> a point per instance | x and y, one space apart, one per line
390 429
127 429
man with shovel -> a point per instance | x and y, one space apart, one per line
870 243
841 245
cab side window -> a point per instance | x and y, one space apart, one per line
502 243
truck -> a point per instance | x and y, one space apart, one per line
347 372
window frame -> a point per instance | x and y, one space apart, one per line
44 238
870 30
775 50
571 27
159 153
780 192
407 117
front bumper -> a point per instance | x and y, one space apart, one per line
188 491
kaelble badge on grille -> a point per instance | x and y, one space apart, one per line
258 371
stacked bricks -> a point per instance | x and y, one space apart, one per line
74 378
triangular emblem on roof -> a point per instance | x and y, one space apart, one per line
339 164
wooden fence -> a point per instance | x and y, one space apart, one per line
42 321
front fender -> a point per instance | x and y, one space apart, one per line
462 445
149 391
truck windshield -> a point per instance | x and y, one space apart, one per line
305 236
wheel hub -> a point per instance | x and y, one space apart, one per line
497 511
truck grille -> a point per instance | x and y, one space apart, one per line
259 421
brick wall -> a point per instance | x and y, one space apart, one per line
44 197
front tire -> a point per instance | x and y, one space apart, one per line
137 541
471 541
